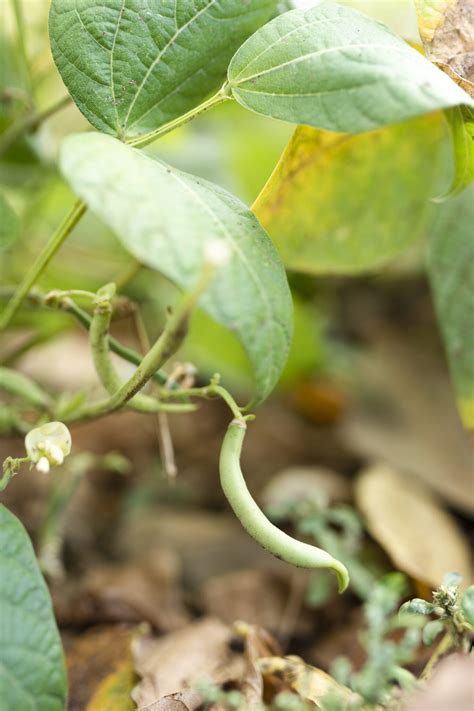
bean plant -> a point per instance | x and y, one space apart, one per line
138 70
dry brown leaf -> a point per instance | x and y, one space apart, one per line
301 483
447 30
259 597
138 591
172 667
450 689
175 664
114 693
405 413
311 684
404 517
91 658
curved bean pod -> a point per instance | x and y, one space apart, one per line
254 520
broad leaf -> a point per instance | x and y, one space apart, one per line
334 68
132 66
461 124
9 224
32 671
446 28
345 204
451 273
164 217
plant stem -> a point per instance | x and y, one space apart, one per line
82 317
211 390
42 261
254 520
219 98
20 29
159 353
444 646
30 123
99 342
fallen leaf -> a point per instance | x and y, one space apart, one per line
302 483
311 684
115 692
447 30
140 591
404 412
178 662
404 517
449 689
93 658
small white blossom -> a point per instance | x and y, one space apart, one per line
47 445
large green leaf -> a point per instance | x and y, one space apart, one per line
344 204
131 66
32 670
334 68
451 273
164 217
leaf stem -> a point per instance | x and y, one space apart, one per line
42 261
440 650
254 520
30 123
99 342
144 140
159 353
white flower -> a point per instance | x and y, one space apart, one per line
47 445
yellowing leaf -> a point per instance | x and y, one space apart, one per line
347 204
311 683
114 693
421 538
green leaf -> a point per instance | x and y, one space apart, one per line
461 125
451 274
417 606
164 217
346 204
431 631
132 66
467 605
9 224
334 68
32 670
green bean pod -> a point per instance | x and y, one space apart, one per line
254 520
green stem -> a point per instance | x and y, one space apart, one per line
159 353
254 520
20 29
211 390
29 124
99 342
83 318
219 98
440 650
24 388
42 261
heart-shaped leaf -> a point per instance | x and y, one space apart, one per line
132 66
334 68
32 670
345 204
451 274
164 217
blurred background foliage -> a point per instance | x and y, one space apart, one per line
229 146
